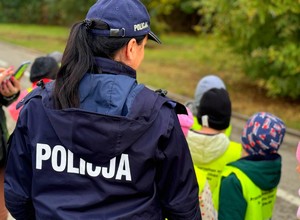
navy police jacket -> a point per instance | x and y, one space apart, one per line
121 155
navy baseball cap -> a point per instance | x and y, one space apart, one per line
125 18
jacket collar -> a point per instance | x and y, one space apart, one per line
109 66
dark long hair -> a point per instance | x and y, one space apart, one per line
78 58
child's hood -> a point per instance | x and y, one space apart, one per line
265 172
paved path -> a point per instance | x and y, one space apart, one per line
287 195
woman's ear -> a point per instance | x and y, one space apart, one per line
131 49
126 54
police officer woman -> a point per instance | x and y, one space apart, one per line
96 144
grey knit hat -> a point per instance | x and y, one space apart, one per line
56 55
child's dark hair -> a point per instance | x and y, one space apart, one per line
78 58
43 67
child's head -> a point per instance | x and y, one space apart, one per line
206 83
43 67
263 134
214 110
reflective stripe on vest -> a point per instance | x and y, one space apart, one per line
214 168
260 203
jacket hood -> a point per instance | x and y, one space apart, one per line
206 147
264 171
103 128
97 138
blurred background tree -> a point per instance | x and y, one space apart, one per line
266 34
52 12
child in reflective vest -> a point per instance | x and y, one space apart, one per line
250 184
210 148
208 211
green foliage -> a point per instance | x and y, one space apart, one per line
166 7
173 15
73 10
158 7
266 34
62 12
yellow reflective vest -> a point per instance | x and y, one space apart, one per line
201 178
215 167
260 203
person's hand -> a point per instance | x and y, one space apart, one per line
5 73
10 87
